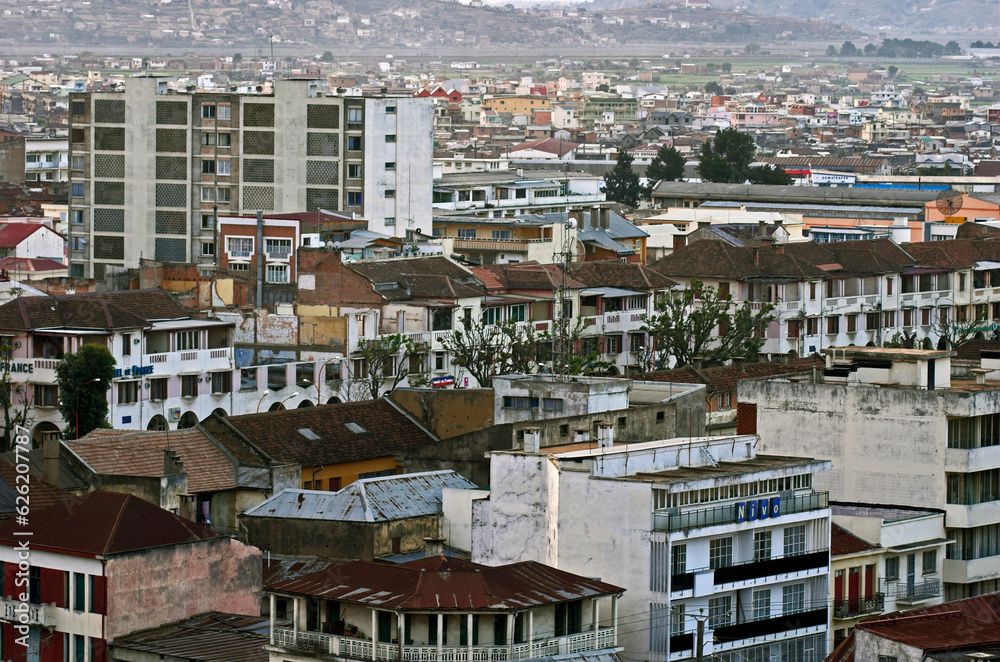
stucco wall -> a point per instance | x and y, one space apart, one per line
448 412
165 584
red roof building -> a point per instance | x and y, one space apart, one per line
104 565
444 608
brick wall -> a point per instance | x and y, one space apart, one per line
333 283
746 418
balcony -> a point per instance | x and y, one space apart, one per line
364 649
493 245
768 626
751 570
731 514
624 321
968 460
43 370
14 611
166 363
852 607
906 593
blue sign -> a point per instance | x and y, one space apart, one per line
438 382
134 371
748 511
126 420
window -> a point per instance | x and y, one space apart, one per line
277 377
887 658
158 388
761 604
389 220
676 619
207 194
678 559
355 115
46 395
225 112
513 402
79 648
888 286
501 234
207 221
76 163
277 273
208 139
76 217
222 382
852 323
871 321
208 248
761 545
187 340
793 599
354 143
719 611
390 137
93 595
361 368
239 247
892 568
208 167
930 562
354 199
390 193
126 344
812 326
208 111
76 190
225 139
223 168
795 539
390 165
128 392
354 171
223 194
78 243
466 233
278 248
390 110
439 363
833 325
79 591
720 552
189 386
552 404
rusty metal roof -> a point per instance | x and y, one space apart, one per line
446 584
378 499
208 637
961 624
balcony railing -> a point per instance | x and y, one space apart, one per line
691 519
906 593
750 570
750 629
14 611
364 649
851 607
498 245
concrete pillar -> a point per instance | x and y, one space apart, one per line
400 633
274 602
614 620
596 613
531 634
440 625
510 636
374 634
295 622
468 635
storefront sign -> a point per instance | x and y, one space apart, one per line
17 367
134 371
747 511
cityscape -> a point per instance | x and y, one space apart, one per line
611 331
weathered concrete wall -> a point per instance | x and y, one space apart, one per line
583 395
456 523
229 505
448 412
165 584
163 491
888 445
870 647
466 454
336 539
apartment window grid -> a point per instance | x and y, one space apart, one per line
892 568
761 545
793 599
277 273
720 611
720 552
187 340
678 559
761 604
929 562
795 540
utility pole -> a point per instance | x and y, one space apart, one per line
700 641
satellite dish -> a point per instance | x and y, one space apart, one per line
948 202
336 245
571 223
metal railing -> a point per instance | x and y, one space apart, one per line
851 607
690 519
904 591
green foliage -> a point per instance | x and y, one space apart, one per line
666 166
622 183
326 57
726 157
892 70
909 48
488 350
237 58
975 44
727 67
751 48
387 358
14 401
713 87
768 174
831 51
871 50
848 49
684 323
84 379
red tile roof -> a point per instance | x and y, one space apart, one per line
12 234
624 275
126 309
140 453
549 145
446 584
723 379
30 264
103 523
844 542
523 276
43 494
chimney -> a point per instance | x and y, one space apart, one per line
172 463
433 546
756 255
696 362
532 440
761 228
741 363
704 224
50 458
605 435
581 435
776 248
605 215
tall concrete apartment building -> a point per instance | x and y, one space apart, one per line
151 167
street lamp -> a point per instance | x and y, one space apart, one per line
263 395
319 379
281 404
76 407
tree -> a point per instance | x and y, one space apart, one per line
848 49
713 87
870 50
14 400
952 48
666 166
622 184
727 67
768 174
387 362
238 58
831 51
84 379
683 325
603 87
751 48
726 157
893 70
487 350
327 56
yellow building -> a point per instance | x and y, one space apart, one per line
516 105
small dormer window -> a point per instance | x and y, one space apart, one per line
355 428
309 434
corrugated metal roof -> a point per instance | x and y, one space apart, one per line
366 500
209 637
446 584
